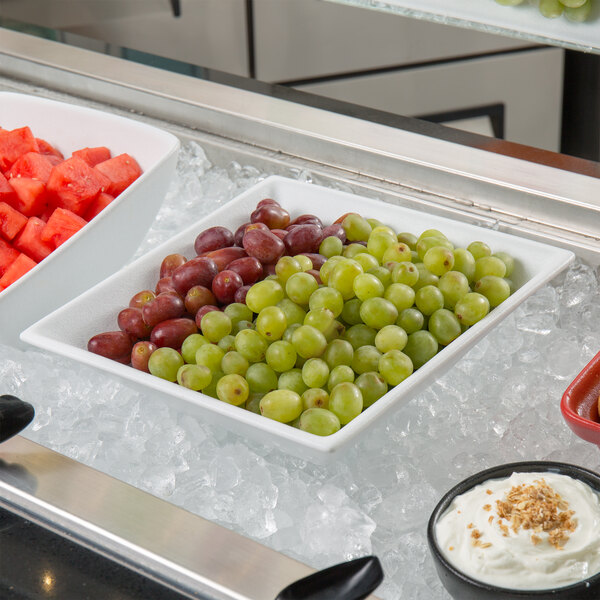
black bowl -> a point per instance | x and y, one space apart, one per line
463 587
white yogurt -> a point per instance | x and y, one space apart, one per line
477 541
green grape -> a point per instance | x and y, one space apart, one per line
384 230
264 293
327 267
379 241
345 401
396 252
444 325
372 386
338 352
261 378
271 323
471 308
351 312
281 405
285 267
356 228
366 358
579 14
360 335
287 336
308 341
319 318
340 374
194 377
420 347
210 355
378 312
489 265
411 320
299 287
319 421
383 274
426 277
233 363
438 260
326 297
400 295
406 273
281 356
367 286
479 250
293 312
551 8
300 362
573 3
315 398
241 325
410 239
464 262
292 380
453 285
304 262
190 346
353 250
342 277
425 243
253 403
331 246
211 388
428 299
436 233
366 261
315 373
227 343
390 337
237 312
334 331
495 289
395 366
508 261
233 389
374 222
251 345
215 324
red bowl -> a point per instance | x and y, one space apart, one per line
579 404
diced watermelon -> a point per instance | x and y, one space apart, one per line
73 185
122 171
31 198
17 269
30 242
49 149
33 165
98 205
15 143
6 191
93 156
61 225
7 256
11 221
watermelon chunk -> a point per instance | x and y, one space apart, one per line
98 205
31 198
32 165
7 255
15 143
6 191
49 149
30 242
73 185
93 156
17 269
11 221
61 225
121 170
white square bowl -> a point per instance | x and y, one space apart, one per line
110 239
68 329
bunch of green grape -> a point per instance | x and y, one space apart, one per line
574 10
315 348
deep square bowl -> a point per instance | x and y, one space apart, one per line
110 239
67 330
579 404
463 587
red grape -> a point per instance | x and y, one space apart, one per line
130 321
265 246
197 297
172 332
240 294
198 271
164 306
280 233
307 220
225 284
203 310
224 256
140 354
250 269
267 201
165 285
112 344
213 238
317 260
272 215
138 300
336 230
170 263
303 238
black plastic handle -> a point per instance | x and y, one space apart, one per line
353 580
15 415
